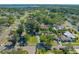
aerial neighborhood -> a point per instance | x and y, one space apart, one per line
46 29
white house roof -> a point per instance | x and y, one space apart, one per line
68 34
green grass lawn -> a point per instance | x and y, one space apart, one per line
71 44
32 40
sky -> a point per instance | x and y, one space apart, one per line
39 1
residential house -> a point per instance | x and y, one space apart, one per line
68 34
58 27
43 26
67 25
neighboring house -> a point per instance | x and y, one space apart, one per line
65 39
43 26
67 25
59 27
69 35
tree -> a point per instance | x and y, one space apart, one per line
43 38
32 27
20 29
11 20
